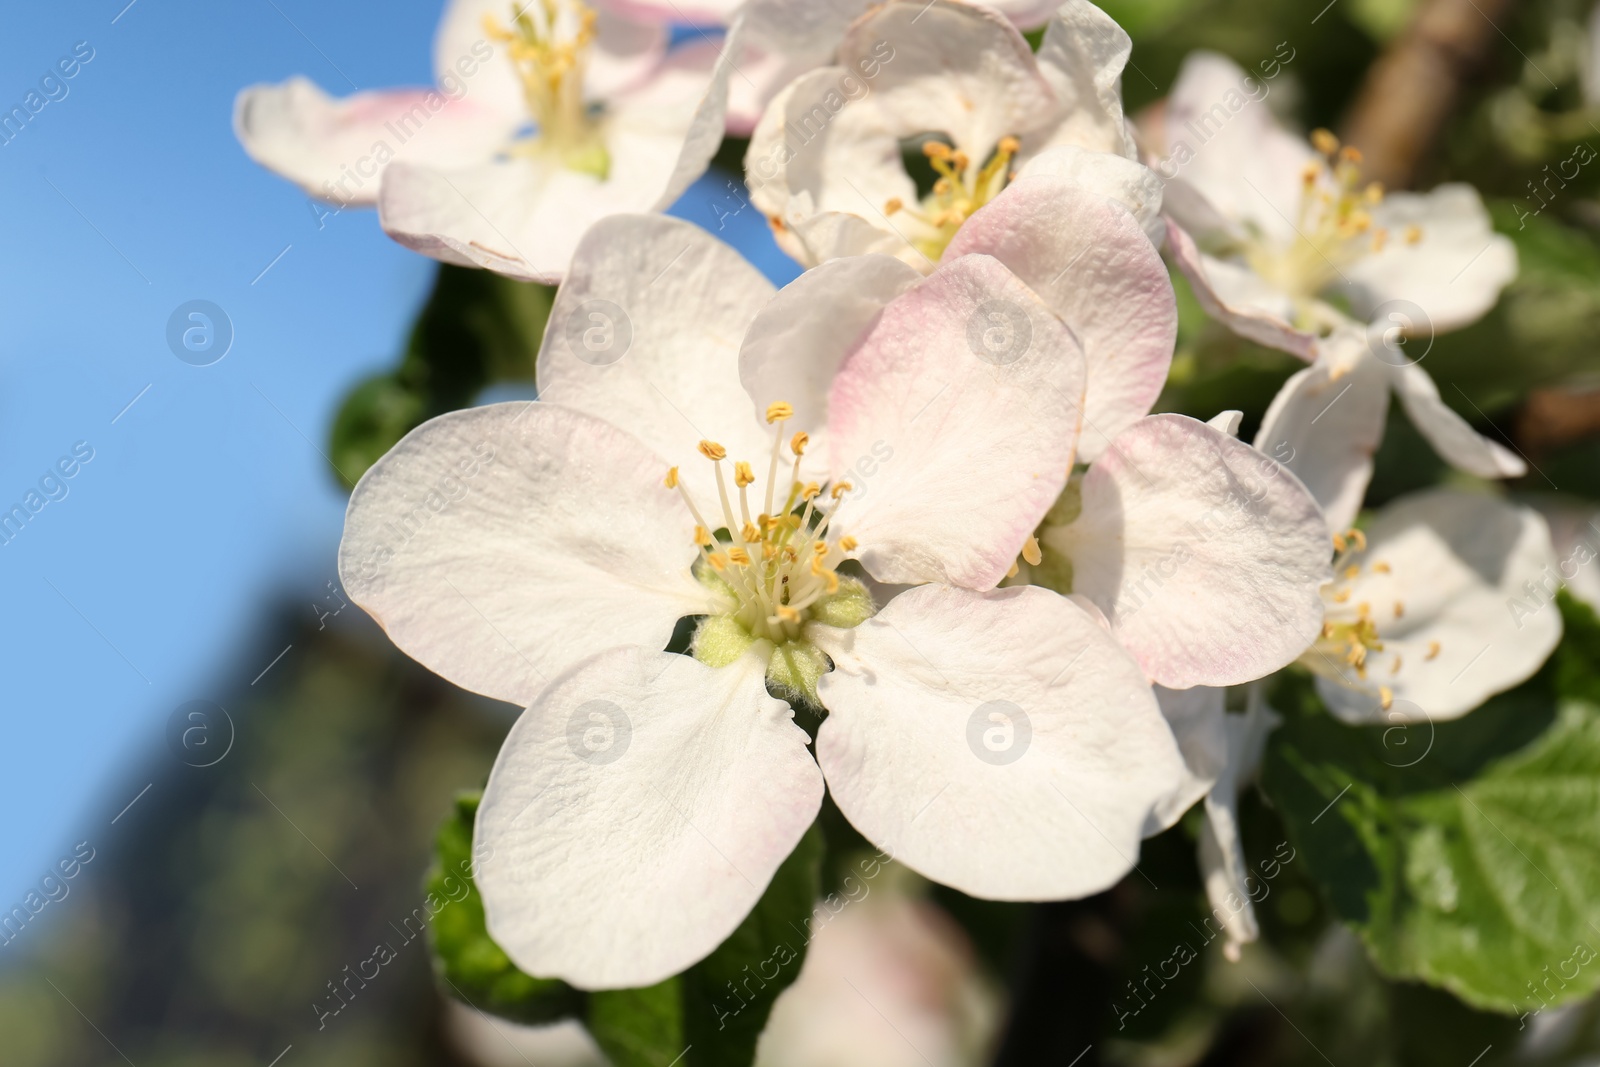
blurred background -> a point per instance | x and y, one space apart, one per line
246 778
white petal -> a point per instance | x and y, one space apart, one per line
1227 422
791 352
1197 718
968 392
1326 423
1223 144
1450 435
958 69
1082 57
1206 555
1083 255
651 790
1452 275
1222 866
667 12
1236 297
1475 575
1575 535
499 545
822 165
523 217
645 334
1131 184
1000 743
336 149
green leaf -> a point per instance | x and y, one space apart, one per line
1465 854
469 965
713 1013
477 329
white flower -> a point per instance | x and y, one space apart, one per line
1327 421
662 791
1430 612
889 980
548 116
1575 534
825 163
1269 228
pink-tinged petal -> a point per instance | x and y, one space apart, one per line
648 788
1450 276
1237 298
1198 720
1086 258
1464 609
1326 423
1082 57
499 545
1224 146
1000 743
1457 443
791 353
1129 183
954 419
645 333
671 12
336 149
1207 556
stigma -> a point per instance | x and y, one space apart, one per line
548 42
769 547
962 188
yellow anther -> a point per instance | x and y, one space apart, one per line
749 534
768 523
1031 553
1309 173
1382 568
718 561
1327 629
797 443
739 556
1339 543
832 581
671 480
1374 192
820 547
848 544
1386 697
1351 571
893 205
936 150
1012 573
1357 656
712 451
1350 154
1433 650
787 614
769 551
702 537
1009 146
960 160
1359 539
1324 141
810 491
840 490
1380 237
1399 610
1364 609
1397 662
778 410
1341 596
1413 234
742 474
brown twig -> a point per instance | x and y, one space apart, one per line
1414 86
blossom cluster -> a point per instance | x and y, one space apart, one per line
1008 646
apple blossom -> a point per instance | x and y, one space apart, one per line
664 789
1269 228
548 116
1426 614
826 168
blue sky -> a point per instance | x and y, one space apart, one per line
206 498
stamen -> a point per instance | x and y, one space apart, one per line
848 544
702 537
1360 540
1397 661
892 205
1399 610
1324 141
778 410
712 451
1382 568
797 443
739 556
742 474
1386 697
1413 234
840 490
1433 650
1031 553
672 478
